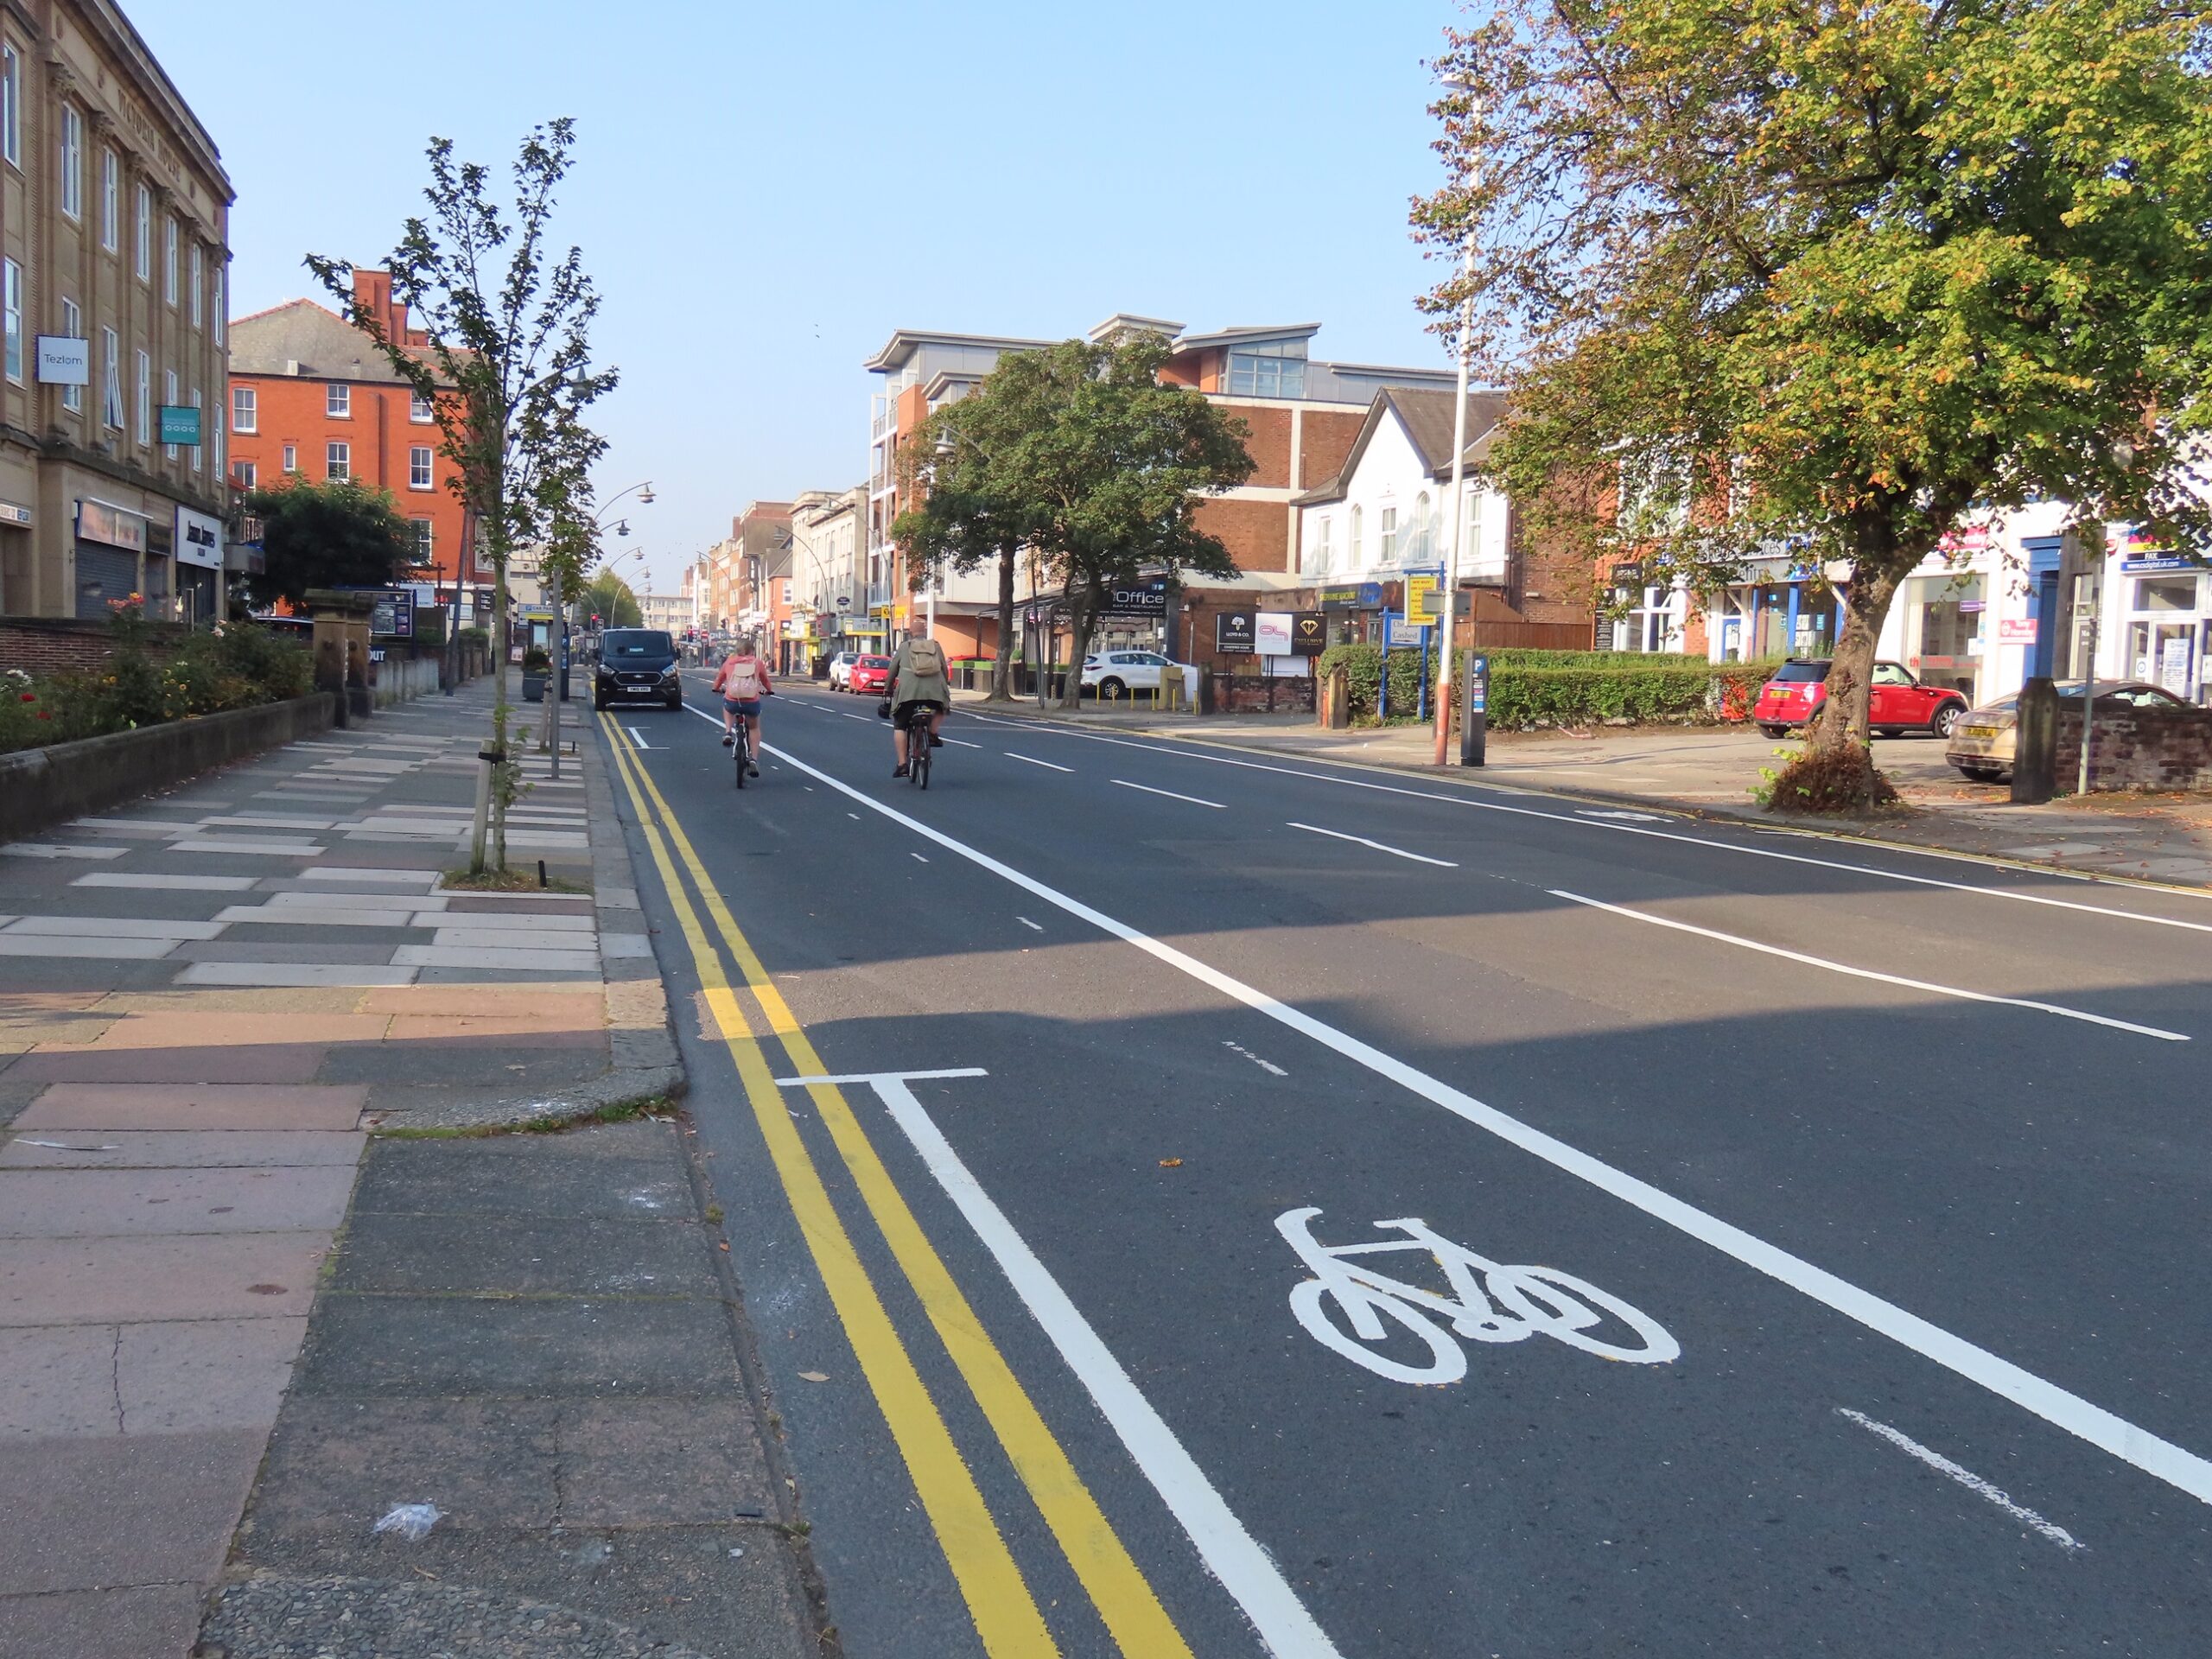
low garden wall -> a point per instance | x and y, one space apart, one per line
45 786
2136 748
63 645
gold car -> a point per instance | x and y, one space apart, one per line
1981 743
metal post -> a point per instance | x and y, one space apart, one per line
559 683
1458 514
1443 682
1382 696
2095 582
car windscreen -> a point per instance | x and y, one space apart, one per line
875 661
635 644
1798 673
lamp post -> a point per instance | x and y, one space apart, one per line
1448 621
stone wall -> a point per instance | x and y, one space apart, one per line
59 645
2136 748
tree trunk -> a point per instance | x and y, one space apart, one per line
1002 671
1842 720
1083 619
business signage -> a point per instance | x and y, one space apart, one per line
179 423
1424 603
1234 632
391 612
1271 633
2159 562
1138 599
199 539
63 361
110 526
1309 633
2016 631
1351 596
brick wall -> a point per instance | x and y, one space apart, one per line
1326 439
1257 533
64 645
2138 748
1268 442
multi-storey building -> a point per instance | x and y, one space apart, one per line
1303 416
114 262
311 395
828 532
669 611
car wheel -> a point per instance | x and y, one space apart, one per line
1111 687
1886 731
1775 731
1947 720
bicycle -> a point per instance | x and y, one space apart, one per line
1511 1304
917 746
742 746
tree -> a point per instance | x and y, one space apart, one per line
614 602
1096 468
504 362
341 534
1835 279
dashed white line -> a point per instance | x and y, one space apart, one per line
1025 922
964 743
1264 1065
918 858
1171 794
1033 761
1380 847
1966 1477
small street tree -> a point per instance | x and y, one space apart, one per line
341 534
505 363
1830 279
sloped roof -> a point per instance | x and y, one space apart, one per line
323 344
1426 416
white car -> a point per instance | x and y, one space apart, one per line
841 669
1116 674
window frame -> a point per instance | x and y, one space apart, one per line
11 303
170 235
337 401
421 412
247 474
145 410
168 401
426 536
421 468
337 460
219 318
73 320
198 451
1385 536
290 456
196 277
142 259
111 198
71 154
111 409
246 416
11 105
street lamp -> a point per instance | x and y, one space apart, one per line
1459 478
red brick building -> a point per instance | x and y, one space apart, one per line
311 394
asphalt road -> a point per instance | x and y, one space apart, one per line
1868 1189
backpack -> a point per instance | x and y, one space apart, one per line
926 658
741 679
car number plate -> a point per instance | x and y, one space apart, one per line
1977 731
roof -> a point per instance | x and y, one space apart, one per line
1239 335
323 344
1426 418
906 342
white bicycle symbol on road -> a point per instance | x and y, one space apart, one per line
1509 1304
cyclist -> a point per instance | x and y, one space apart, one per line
917 676
743 681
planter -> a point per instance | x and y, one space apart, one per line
533 686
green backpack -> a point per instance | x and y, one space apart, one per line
926 658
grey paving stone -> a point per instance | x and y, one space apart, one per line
99 1203
116 1281
661 1463
175 1374
59 1381
87 1513
149 1621
236 1149
526 1256
507 1069
616 1169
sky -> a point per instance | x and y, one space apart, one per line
764 194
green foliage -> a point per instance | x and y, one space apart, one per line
237 666
339 534
1839 779
610 599
1531 689
1362 667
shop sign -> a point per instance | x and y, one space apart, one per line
199 539
1424 603
1234 632
64 361
179 423
1138 599
2159 562
1309 633
12 514
391 616
110 526
2173 665
2017 630
1352 597
1271 633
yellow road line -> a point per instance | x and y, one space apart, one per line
1117 1588
999 1599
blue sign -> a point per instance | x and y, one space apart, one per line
1351 596
2162 561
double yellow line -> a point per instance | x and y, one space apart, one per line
999 1599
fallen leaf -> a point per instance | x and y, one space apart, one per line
1171 1163
723 1247
816 1376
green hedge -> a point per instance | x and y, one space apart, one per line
1558 688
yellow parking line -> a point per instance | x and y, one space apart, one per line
999 1600
1117 1588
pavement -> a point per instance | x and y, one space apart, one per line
1712 771
1198 1201
230 1285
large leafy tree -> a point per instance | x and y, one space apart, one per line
341 534
506 361
1080 455
614 602
1833 277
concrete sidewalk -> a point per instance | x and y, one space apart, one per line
206 1002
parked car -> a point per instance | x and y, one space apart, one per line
869 673
637 666
1118 673
841 669
1896 702
1982 744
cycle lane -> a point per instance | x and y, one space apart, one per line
1066 1177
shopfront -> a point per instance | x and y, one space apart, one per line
199 557
1944 641
111 544
2165 610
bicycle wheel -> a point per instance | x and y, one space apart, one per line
741 751
1311 1303
917 754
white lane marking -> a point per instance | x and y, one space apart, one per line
964 743
1033 761
1025 922
1170 794
1239 1048
1620 817
855 817
1395 852
918 858
2162 1459
849 715
1229 1553
1870 973
1659 835
1966 1477
639 735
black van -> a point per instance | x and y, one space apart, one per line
637 666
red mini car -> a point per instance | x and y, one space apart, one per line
1898 703
871 674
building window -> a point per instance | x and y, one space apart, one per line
110 199
111 380
1422 542
248 475
220 325
222 443
338 402
142 258
72 324
168 260
1322 529
245 409
15 310
11 105
1268 371
145 398
1358 519
168 396
337 460
197 276
423 540
198 449
73 161
1385 536
291 457
420 411
418 468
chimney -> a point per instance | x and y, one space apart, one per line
372 294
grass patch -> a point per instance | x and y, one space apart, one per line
620 1111
523 878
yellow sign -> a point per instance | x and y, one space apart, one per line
899 612
1424 602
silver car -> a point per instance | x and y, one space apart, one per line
1981 744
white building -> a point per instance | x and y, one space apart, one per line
829 589
668 611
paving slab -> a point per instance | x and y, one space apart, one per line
536 1256
293 973
195 1276
495 1068
237 1149
92 1512
176 1375
447 953
270 1063
59 1380
203 1028
85 1203
140 1621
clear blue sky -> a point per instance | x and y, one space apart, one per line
765 191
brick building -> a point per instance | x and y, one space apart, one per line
114 231
311 394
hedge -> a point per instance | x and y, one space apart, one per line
1564 688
